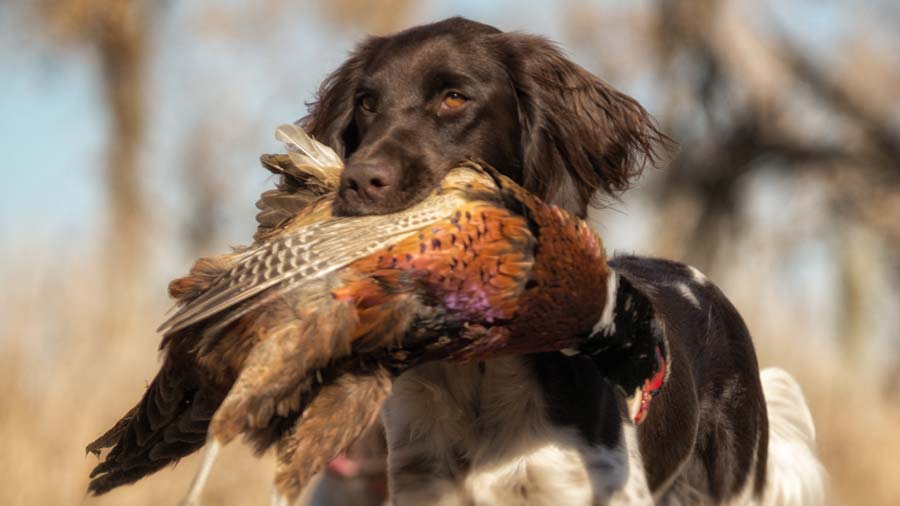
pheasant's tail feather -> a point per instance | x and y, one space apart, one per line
113 435
169 423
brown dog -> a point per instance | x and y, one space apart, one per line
548 428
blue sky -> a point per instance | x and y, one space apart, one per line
51 139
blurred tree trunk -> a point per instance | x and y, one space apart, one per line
745 97
201 176
117 32
120 39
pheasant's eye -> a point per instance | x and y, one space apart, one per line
453 100
368 102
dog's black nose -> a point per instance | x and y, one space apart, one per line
370 181
364 186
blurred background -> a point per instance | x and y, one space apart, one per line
130 133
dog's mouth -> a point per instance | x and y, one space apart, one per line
350 204
418 179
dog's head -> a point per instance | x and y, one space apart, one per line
404 109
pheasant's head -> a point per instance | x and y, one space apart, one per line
629 345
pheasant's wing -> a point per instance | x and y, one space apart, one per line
308 252
301 340
291 195
307 172
339 413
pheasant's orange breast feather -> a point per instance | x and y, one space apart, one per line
475 262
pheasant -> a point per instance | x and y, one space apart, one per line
294 340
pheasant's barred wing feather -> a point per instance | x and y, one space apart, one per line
277 207
309 252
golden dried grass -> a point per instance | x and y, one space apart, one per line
65 377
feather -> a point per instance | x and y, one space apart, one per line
310 156
309 171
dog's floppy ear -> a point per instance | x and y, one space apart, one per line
579 135
330 118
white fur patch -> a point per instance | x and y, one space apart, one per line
688 293
635 492
634 402
698 276
795 475
460 434
551 473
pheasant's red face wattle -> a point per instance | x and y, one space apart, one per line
651 388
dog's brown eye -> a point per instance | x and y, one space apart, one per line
453 100
368 103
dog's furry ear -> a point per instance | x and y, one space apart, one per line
330 118
579 135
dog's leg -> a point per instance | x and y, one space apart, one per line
635 492
422 422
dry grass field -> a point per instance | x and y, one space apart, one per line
64 378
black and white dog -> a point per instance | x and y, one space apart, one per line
552 429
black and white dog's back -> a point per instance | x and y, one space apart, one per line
740 414
549 429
